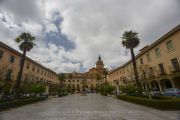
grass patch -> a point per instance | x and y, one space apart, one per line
159 102
20 102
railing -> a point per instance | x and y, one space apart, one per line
173 70
160 72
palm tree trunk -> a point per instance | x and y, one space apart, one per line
20 73
135 67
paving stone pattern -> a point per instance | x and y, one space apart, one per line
90 107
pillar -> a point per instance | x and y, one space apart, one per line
160 87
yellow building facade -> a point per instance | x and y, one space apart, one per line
157 64
32 72
88 80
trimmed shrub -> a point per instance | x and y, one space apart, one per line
20 102
156 97
168 104
105 89
130 89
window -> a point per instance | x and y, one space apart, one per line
1 54
161 68
169 45
157 52
148 57
175 64
141 60
33 68
11 59
38 70
27 67
9 75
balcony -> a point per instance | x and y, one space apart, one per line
173 69
174 72
161 72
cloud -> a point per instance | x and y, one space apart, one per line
71 34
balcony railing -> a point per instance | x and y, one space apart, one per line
173 70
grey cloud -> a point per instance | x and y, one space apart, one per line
22 10
92 27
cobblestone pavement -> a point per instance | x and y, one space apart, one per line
90 107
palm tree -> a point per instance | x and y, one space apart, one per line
131 41
26 44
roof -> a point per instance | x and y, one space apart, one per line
27 58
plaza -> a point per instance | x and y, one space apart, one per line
89 60
90 107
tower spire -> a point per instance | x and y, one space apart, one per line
99 58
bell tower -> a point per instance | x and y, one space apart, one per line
99 63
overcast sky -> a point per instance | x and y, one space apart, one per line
70 34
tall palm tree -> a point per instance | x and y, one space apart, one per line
26 41
131 41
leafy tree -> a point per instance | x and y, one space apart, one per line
131 41
129 89
105 72
26 44
61 79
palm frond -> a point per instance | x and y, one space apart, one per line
18 40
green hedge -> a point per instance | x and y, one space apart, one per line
62 94
170 104
20 102
157 97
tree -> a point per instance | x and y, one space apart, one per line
26 44
61 79
131 41
105 72
98 77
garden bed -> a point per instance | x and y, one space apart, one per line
158 102
20 102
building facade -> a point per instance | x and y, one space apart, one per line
86 81
157 64
32 72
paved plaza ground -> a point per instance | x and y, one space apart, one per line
90 107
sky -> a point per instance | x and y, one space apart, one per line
70 34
